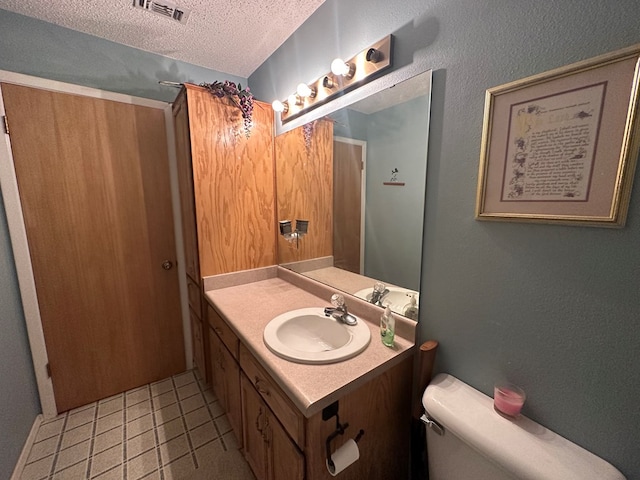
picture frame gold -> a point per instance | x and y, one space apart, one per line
561 147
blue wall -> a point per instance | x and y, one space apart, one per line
350 124
394 215
554 308
44 50
19 403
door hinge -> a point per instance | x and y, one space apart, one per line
48 367
5 122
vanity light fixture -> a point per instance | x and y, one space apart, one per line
342 68
305 91
345 75
327 82
373 55
280 107
294 100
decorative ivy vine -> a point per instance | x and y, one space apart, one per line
307 131
243 99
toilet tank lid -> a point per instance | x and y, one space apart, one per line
522 447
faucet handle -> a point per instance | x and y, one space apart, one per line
379 287
337 300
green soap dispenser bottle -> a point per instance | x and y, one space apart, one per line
387 327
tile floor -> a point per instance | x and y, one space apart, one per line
163 430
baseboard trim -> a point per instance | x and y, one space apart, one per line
22 460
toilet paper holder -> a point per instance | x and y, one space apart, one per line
327 413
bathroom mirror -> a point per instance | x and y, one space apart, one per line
358 176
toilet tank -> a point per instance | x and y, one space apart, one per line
478 443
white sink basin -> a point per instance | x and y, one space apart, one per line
307 335
397 298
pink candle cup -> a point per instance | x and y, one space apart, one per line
508 399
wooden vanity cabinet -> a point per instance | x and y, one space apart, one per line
225 370
280 443
197 343
268 449
227 192
273 427
288 414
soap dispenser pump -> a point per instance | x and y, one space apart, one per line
411 308
387 327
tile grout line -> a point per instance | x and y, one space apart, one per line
59 444
69 467
213 420
93 441
155 434
124 435
184 424
67 419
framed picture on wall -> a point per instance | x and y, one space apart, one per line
562 146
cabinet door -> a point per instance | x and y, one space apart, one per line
185 182
231 374
254 422
285 461
216 368
233 182
197 341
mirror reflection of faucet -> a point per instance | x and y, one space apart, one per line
379 292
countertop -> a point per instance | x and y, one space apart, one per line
248 308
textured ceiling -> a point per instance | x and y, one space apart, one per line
231 36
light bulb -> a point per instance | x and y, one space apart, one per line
293 99
278 106
339 67
304 90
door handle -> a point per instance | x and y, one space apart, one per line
167 265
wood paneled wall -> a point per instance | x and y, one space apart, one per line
304 175
234 184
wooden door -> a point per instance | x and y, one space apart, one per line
347 209
94 185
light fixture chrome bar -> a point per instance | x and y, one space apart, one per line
366 65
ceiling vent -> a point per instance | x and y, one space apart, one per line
163 8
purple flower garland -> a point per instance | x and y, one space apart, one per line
243 99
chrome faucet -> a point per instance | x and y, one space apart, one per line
378 293
339 310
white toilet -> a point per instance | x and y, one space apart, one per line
468 439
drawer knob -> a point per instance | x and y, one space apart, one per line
260 388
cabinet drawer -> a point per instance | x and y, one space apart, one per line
223 330
195 297
290 417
